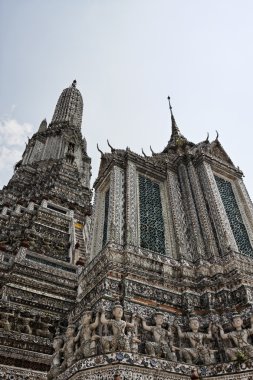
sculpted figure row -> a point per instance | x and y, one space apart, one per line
32 325
192 346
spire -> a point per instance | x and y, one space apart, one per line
174 128
69 107
43 126
176 138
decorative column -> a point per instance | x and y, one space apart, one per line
205 223
216 208
180 226
190 210
97 223
116 206
132 205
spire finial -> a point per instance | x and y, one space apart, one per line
175 129
170 106
74 83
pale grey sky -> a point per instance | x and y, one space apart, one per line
127 56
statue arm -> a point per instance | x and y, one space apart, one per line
169 332
95 324
146 327
76 339
103 320
131 324
222 334
180 333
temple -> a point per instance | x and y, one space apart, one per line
151 280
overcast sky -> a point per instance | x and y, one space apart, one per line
127 57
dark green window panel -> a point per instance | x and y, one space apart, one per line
151 218
234 216
106 214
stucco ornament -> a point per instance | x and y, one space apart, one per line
119 341
199 352
160 346
242 349
86 336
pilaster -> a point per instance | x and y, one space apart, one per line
204 219
132 205
116 206
216 208
180 226
190 211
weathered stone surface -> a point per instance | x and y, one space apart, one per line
148 284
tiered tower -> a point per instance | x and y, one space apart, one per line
167 276
44 220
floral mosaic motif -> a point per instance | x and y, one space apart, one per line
151 219
234 216
105 229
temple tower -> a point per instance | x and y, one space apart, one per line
171 240
53 180
154 283
44 222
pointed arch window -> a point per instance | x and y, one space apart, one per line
234 216
151 217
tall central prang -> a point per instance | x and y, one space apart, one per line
48 197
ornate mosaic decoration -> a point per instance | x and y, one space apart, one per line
234 216
148 284
151 219
105 230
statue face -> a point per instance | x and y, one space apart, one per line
86 318
117 312
194 324
159 319
237 322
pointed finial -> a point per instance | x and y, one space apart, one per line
112 149
74 83
143 153
175 129
207 138
102 153
153 153
170 106
217 135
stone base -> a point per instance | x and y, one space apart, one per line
143 367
